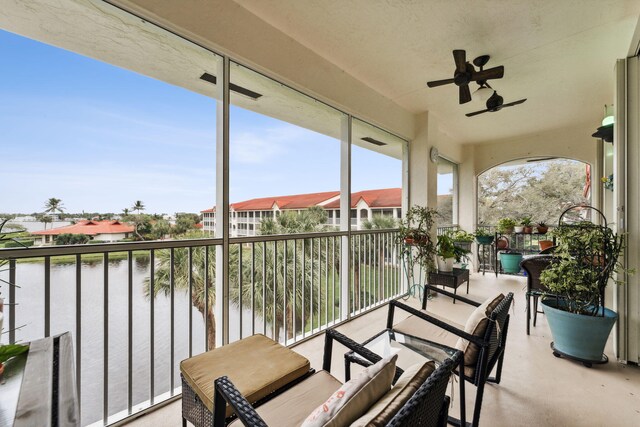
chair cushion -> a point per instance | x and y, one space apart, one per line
417 327
388 406
290 408
256 365
355 397
477 325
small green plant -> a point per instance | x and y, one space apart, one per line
483 232
526 221
446 248
505 225
11 350
462 236
542 224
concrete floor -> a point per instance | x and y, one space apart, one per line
536 388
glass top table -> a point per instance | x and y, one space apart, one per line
410 350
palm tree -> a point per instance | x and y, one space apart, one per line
125 212
138 206
53 205
199 279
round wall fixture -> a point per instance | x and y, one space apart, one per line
434 154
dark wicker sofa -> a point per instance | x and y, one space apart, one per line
427 406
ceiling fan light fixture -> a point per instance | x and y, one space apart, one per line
482 94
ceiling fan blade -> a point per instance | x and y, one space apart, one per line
511 104
475 113
439 82
460 57
465 94
491 73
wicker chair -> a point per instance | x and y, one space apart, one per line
491 345
428 406
533 267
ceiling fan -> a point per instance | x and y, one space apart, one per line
496 103
465 73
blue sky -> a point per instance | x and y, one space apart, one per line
100 137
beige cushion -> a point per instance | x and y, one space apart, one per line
388 406
477 325
256 365
290 408
417 327
355 397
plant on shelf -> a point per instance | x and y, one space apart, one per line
414 236
506 225
542 228
462 236
446 252
587 256
483 236
527 225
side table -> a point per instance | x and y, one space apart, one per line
451 279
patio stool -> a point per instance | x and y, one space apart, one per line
257 365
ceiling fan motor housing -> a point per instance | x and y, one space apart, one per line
495 101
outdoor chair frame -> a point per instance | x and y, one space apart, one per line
428 406
492 345
533 266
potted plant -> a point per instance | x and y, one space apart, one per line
510 261
586 257
446 253
483 236
414 236
542 228
506 225
462 239
527 225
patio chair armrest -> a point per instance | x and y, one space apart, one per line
452 295
331 335
226 392
424 316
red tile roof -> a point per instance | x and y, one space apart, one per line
384 198
90 228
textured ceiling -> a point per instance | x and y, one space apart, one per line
558 54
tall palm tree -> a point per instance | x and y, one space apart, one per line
53 205
138 206
199 279
125 211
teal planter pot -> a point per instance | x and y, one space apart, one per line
578 336
510 262
484 240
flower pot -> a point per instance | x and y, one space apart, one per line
577 335
484 240
545 244
528 229
510 262
445 264
502 243
518 228
542 230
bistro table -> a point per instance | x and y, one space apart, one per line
451 279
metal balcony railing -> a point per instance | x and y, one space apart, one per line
136 309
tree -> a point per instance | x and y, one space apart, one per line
53 205
541 191
125 212
199 279
138 206
72 239
184 223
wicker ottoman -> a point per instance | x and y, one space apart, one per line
257 365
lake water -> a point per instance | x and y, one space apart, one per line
30 313
32 226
